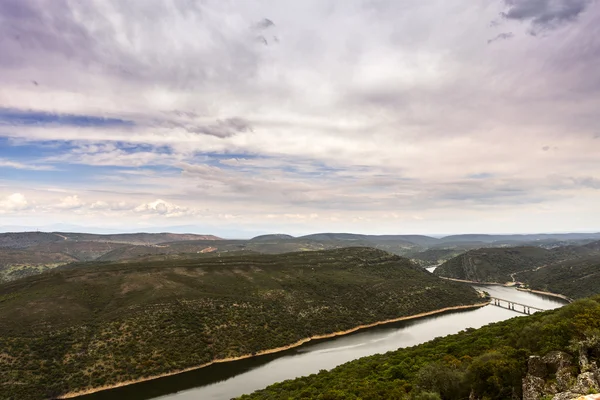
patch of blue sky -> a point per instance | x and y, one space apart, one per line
18 150
214 159
17 117
80 174
286 164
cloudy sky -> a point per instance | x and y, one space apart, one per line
244 117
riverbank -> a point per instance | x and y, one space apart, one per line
511 284
474 282
271 351
560 296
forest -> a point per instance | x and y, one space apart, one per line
97 324
486 363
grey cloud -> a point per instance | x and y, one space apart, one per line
265 23
26 28
544 14
371 190
222 128
83 36
588 182
502 36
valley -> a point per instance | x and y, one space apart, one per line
75 329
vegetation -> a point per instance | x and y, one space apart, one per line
574 278
98 324
22 240
487 363
73 247
432 257
508 263
16 264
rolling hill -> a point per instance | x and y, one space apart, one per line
80 328
494 264
573 271
21 240
574 278
15 264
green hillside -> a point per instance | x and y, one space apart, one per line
101 323
15 264
505 263
487 363
573 278
494 264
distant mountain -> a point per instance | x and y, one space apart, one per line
21 240
334 236
520 238
419 240
271 237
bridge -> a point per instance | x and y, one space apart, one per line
511 305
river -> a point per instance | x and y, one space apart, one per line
227 380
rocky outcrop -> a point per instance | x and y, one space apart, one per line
556 375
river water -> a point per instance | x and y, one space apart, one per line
227 380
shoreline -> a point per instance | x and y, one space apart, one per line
558 295
475 282
71 395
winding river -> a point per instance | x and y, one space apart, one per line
227 380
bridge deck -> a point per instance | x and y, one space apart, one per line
510 305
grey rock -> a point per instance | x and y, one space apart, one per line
557 360
565 378
586 382
551 388
533 387
566 396
537 367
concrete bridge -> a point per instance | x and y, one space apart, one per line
511 305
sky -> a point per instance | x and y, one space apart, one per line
238 118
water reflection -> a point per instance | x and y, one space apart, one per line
224 381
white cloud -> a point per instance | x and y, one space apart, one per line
163 208
13 203
372 108
69 203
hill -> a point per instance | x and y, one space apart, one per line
433 256
266 246
15 264
516 239
99 324
21 240
494 264
405 240
492 362
275 237
506 264
29 253
573 278
81 251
